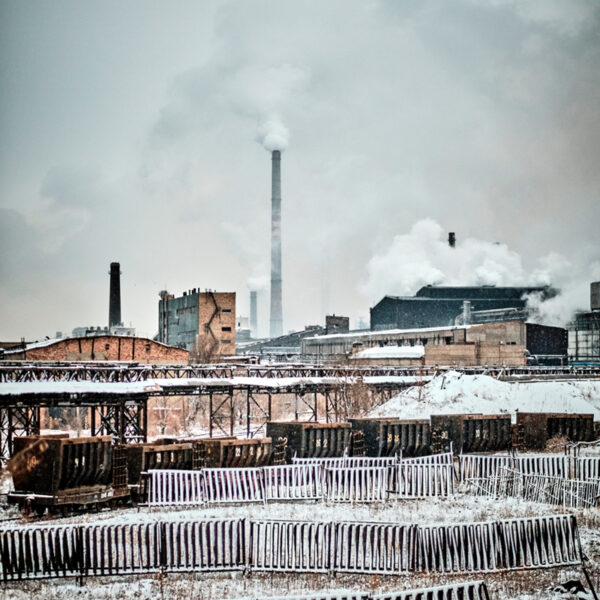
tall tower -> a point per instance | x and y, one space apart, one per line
276 320
114 305
253 313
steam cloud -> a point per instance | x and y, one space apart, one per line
273 135
422 256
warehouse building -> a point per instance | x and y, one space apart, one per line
99 348
584 331
504 343
438 306
203 323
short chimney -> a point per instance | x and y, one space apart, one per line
452 239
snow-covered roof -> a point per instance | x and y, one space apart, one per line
370 334
417 351
156 386
50 342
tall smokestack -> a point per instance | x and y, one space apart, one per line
114 307
276 328
253 313
451 239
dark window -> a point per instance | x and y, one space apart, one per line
226 310
107 347
225 328
225 341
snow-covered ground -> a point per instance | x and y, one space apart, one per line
454 393
523 585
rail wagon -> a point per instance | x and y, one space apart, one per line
312 440
387 437
471 433
533 430
59 473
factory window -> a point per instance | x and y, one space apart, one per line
225 328
147 347
107 346
448 339
226 310
225 341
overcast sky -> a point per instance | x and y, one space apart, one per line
130 132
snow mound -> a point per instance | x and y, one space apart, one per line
456 393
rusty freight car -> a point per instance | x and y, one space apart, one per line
471 433
390 436
533 430
58 473
312 440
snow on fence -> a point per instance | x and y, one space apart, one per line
470 590
363 484
558 491
175 487
34 552
527 543
570 493
445 458
423 480
233 485
587 468
348 461
325 547
481 465
300 481
293 482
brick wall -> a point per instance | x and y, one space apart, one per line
216 318
481 353
112 348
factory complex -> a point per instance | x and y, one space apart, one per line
438 325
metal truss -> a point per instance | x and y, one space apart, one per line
118 371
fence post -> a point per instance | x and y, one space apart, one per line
81 555
163 547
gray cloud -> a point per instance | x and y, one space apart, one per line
131 135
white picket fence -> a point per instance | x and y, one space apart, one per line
301 481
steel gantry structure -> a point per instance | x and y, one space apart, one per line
240 405
237 398
132 372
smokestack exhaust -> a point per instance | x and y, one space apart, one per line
276 324
114 306
452 239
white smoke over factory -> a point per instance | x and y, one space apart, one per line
423 257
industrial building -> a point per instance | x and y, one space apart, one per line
439 306
504 343
584 331
290 344
203 323
98 348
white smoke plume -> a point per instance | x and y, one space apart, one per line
422 256
273 135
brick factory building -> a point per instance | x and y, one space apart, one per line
506 343
201 322
100 347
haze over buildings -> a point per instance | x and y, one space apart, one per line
403 121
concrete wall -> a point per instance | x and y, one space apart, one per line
201 322
479 353
112 348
